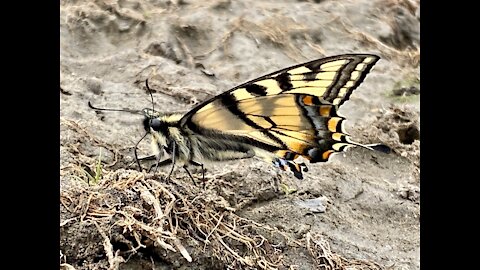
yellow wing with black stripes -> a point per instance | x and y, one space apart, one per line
288 114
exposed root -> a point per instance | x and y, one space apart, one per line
113 260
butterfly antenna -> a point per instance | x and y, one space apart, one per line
114 110
151 96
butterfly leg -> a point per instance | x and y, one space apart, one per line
159 164
174 146
201 165
135 152
151 157
189 174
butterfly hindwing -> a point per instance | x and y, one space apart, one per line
287 114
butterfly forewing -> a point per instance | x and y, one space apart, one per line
333 79
291 112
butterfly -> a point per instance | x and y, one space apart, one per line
284 118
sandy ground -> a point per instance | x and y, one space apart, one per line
360 210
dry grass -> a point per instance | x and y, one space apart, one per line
325 259
170 215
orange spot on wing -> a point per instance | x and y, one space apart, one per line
308 100
327 154
325 110
297 146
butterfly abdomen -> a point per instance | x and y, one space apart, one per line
206 150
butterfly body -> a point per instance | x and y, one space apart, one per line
192 146
284 118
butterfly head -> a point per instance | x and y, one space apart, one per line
152 120
159 122
163 127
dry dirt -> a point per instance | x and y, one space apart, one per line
360 210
